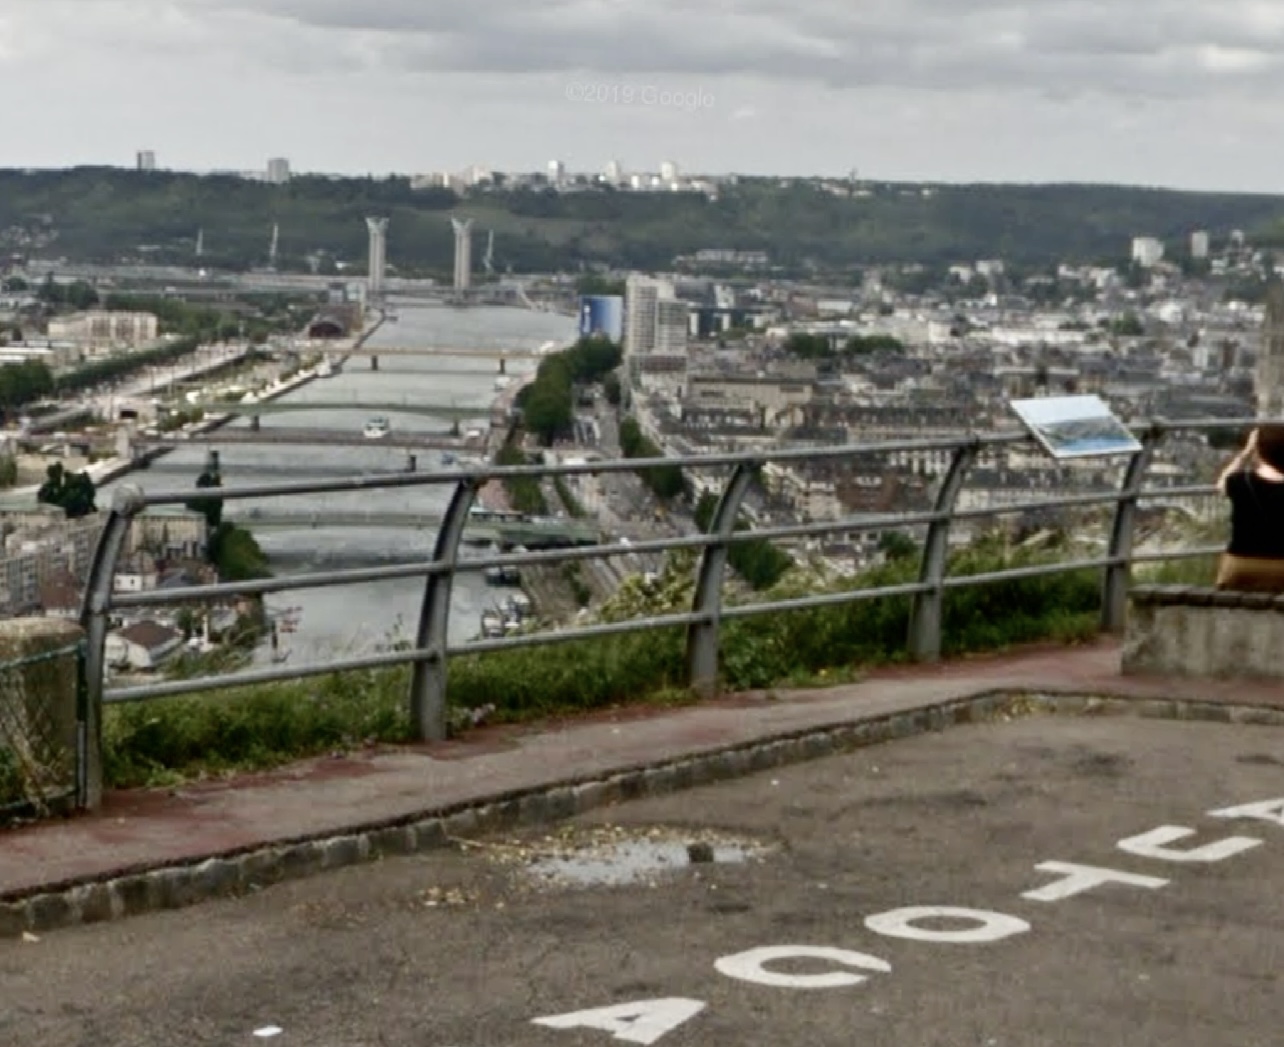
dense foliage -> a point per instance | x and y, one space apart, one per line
273 724
236 554
757 561
73 493
665 481
24 383
548 403
101 214
524 492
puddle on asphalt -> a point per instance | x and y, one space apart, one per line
617 856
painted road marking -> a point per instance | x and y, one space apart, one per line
1154 845
750 966
646 1021
1075 879
642 1022
900 923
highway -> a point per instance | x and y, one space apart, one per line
921 893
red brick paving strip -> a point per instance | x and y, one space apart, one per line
147 828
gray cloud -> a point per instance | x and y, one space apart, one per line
1153 47
1144 90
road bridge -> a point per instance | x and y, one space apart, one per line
418 441
530 533
404 406
466 352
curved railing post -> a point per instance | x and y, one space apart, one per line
428 678
702 636
1114 591
924 639
127 502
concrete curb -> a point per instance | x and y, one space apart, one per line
229 874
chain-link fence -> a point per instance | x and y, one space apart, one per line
41 715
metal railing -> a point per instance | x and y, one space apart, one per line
429 654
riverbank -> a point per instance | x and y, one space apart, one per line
114 468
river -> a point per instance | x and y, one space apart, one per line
354 619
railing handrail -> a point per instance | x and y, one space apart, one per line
429 654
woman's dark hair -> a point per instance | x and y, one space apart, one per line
1270 445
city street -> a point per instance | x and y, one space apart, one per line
1038 883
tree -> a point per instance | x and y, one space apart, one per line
611 387
210 508
73 493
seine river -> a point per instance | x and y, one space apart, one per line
354 619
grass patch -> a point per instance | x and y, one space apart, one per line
160 741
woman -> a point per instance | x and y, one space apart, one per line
1254 483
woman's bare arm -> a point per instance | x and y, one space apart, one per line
1236 464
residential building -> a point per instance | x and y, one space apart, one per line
1270 359
1199 244
146 160
141 646
100 328
278 170
1147 251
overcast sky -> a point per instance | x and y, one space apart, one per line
1162 92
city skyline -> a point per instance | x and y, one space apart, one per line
1167 92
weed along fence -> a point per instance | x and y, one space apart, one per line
928 596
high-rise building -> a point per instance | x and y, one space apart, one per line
1270 357
378 255
1199 244
146 160
463 252
556 172
668 171
613 172
655 321
278 170
1147 251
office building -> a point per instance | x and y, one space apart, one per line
668 171
1199 244
613 173
556 172
655 321
463 252
278 170
146 160
378 255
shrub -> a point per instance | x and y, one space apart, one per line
269 725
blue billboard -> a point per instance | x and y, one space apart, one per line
602 315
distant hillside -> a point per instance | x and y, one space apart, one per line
106 214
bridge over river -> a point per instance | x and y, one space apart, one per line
403 406
412 440
533 534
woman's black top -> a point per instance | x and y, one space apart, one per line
1257 516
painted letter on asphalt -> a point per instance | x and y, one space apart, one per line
1154 845
750 966
1075 879
1268 811
643 1021
992 926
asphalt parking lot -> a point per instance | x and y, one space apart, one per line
901 895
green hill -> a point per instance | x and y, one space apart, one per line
108 214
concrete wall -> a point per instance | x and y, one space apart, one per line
1169 637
